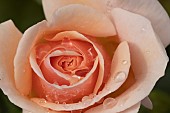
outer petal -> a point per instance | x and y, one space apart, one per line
133 109
23 73
9 38
48 111
51 6
151 9
149 58
80 18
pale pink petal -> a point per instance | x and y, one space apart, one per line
47 111
133 109
9 38
51 6
116 80
151 9
23 72
148 56
147 103
83 19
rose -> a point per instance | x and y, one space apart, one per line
128 87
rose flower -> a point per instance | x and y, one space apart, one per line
90 56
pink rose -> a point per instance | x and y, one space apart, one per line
91 56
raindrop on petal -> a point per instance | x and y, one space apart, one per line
109 103
120 76
42 101
124 62
57 102
85 98
87 102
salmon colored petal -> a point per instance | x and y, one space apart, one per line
23 72
116 80
80 18
148 55
76 35
9 38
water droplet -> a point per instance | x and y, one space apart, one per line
42 101
24 70
109 103
85 98
120 76
66 106
143 29
124 62
66 42
87 102
121 105
57 102
48 98
148 52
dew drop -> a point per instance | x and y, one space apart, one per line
143 29
120 76
57 102
124 62
85 98
121 105
24 70
48 98
66 42
109 103
42 101
148 52
66 106
86 102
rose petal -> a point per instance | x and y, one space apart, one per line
151 9
122 53
76 35
147 103
133 109
38 71
80 18
23 72
47 111
51 6
148 56
9 38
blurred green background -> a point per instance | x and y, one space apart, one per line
26 13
